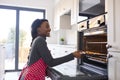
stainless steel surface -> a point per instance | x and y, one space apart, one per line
94 45
109 56
108 46
95 9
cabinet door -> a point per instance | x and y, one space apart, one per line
113 18
74 12
114 66
65 6
113 22
57 17
65 22
62 7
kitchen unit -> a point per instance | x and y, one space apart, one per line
93 42
65 20
113 18
113 31
71 7
108 61
113 39
92 65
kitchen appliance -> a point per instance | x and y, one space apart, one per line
93 63
93 42
91 8
97 21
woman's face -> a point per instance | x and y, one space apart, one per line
45 29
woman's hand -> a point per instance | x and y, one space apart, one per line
78 54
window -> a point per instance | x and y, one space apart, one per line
26 19
15 24
7 36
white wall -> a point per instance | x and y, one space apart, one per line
69 35
48 5
56 1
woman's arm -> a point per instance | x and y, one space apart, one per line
47 57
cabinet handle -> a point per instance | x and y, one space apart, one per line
109 56
108 46
66 51
82 26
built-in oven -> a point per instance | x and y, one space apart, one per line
93 42
93 63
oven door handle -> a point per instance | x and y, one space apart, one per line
109 56
108 46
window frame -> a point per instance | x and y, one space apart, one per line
18 9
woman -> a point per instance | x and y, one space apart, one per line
40 57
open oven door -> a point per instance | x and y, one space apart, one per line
55 75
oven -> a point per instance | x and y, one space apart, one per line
93 42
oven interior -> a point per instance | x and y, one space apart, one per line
95 57
95 49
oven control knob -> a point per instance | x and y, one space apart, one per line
109 56
108 46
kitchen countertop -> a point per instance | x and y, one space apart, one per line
68 68
66 45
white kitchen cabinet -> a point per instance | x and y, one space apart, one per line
65 22
114 66
113 24
57 17
63 7
74 12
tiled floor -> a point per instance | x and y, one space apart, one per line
14 76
